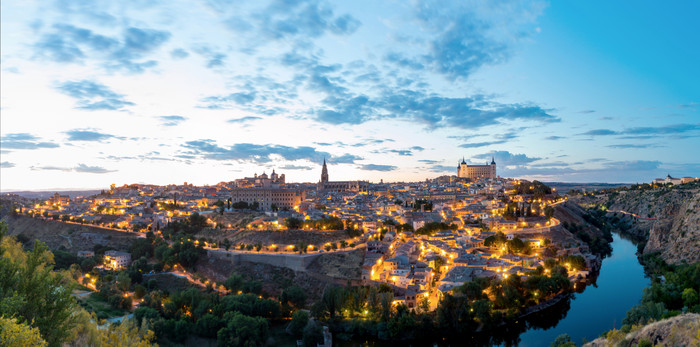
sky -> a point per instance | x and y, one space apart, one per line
161 92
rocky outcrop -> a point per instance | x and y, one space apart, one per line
683 330
678 237
667 218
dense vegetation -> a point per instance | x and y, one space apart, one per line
536 188
433 227
37 308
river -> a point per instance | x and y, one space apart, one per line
594 310
601 306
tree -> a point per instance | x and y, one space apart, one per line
293 223
294 295
299 321
548 212
241 330
32 293
313 334
123 281
127 333
15 334
139 291
563 340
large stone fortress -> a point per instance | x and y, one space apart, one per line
339 186
477 171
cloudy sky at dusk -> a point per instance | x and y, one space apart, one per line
100 92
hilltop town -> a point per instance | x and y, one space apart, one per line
421 238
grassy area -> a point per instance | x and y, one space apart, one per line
95 303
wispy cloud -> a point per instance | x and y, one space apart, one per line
208 149
170 121
82 168
24 141
6 165
93 96
66 43
87 135
377 167
506 158
244 119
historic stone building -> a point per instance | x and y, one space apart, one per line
477 171
339 186
266 197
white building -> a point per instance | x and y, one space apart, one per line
116 259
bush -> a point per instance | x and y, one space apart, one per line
299 321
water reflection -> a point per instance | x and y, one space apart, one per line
584 315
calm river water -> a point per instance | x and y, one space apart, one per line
597 309
601 306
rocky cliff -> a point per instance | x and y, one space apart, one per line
683 330
668 218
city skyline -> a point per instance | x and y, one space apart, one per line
99 93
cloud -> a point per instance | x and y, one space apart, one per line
179 53
24 141
71 44
93 96
632 146
82 168
586 111
505 158
554 138
429 161
227 101
91 169
170 121
401 152
647 131
214 58
6 165
443 168
87 135
635 165
208 149
417 148
432 110
459 37
243 119
480 144
664 130
600 132
296 167
377 167
305 19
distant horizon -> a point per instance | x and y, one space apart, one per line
9 191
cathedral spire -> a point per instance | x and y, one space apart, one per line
324 172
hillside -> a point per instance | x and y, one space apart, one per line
667 217
72 237
683 330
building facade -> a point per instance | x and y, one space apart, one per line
117 260
340 186
488 171
266 197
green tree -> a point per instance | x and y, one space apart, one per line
299 321
549 212
15 334
32 293
241 330
123 281
563 340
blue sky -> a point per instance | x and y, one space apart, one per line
95 93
